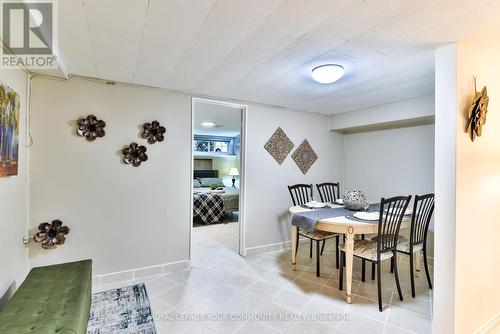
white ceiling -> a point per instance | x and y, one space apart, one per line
226 119
263 50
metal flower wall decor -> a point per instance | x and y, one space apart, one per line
90 127
51 234
477 112
279 146
153 132
134 154
304 156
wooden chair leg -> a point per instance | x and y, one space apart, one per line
297 244
341 273
373 271
337 239
412 274
379 286
317 258
323 247
427 268
311 249
392 265
396 276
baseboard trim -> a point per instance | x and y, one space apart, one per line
285 245
136 273
489 325
268 248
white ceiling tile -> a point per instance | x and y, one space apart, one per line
315 43
482 17
357 17
116 31
393 7
290 21
169 30
395 93
220 79
264 50
75 43
426 14
228 23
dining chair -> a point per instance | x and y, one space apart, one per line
301 194
329 192
391 215
423 207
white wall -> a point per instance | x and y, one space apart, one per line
120 216
390 163
477 273
13 190
268 199
469 250
398 112
445 213
125 217
223 165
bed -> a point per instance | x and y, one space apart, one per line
211 206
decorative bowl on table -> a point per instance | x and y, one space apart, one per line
355 200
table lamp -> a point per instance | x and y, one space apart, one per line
234 172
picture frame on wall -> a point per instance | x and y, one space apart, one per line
9 131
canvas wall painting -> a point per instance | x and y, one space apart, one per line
9 131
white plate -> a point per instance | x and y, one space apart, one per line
339 201
316 205
367 215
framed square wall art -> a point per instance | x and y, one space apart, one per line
9 131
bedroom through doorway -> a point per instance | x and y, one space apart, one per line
217 178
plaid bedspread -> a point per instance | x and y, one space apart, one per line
209 207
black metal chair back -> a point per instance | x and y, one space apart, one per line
392 211
423 207
329 192
301 193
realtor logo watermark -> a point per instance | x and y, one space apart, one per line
29 34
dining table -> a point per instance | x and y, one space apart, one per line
341 225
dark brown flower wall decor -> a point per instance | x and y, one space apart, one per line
134 154
477 112
153 132
51 234
90 127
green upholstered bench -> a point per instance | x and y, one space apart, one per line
54 299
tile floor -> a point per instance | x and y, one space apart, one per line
223 283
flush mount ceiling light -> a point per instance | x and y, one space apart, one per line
208 124
327 74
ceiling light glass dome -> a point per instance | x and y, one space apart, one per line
327 74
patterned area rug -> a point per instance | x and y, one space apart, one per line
125 310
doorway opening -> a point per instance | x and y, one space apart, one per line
218 177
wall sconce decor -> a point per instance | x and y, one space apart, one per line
51 234
477 112
134 154
90 127
153 132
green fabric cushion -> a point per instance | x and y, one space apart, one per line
196 183
211 182
52 299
